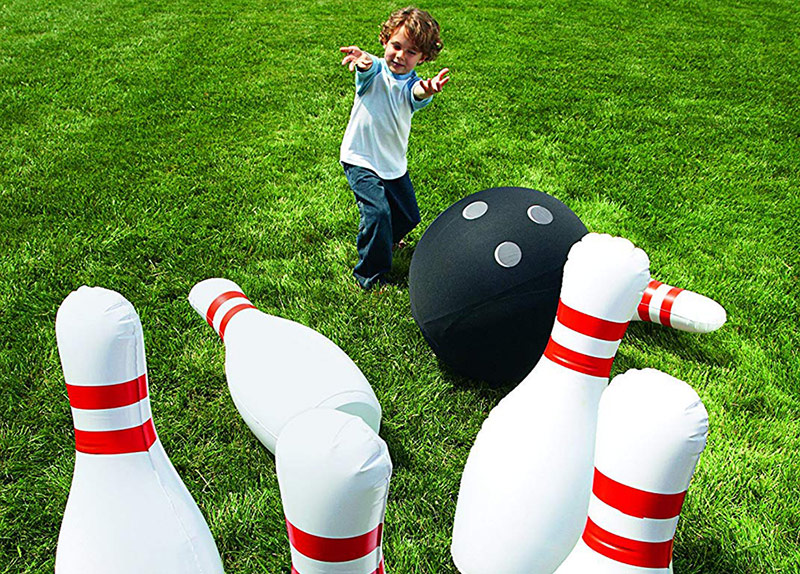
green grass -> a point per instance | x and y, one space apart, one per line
146 145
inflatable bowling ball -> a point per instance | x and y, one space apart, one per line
485 279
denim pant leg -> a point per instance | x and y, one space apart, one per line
403 205
374 239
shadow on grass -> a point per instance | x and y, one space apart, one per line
690 347
477 387
394 440
401 263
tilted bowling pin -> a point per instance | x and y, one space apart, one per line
333 472
651 431
128 511
680 309
277 368
526 485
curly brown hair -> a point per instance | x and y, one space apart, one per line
421 29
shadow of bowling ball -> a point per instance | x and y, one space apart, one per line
485 280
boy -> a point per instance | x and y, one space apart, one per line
373 151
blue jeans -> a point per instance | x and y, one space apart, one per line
388 209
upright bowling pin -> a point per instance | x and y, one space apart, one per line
680 309
128 511
277 368
333 472
651 431
526 484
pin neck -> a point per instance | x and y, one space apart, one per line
636 502
334 549
112 419
588 334
662 310
228 315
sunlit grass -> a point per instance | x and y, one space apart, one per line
147 145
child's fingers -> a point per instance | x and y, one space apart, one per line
348 49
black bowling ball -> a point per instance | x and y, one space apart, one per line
485 279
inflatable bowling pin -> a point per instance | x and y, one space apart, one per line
277 368
651 431
680 309
526 485
128 511
333 472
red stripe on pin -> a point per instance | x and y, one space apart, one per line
644 304
136 439
590 326
586 364
217 303
635 502
108 396
229 315
627 550
665 314
334 549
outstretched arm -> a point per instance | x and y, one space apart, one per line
426 88
356 58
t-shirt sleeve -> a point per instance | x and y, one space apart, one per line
416 104
364 79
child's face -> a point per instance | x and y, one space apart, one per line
400 53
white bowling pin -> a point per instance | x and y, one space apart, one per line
680 309
277 368
526 485
128 511
651 431
333 472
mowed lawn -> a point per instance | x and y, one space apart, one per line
146 145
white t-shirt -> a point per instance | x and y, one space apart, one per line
377 135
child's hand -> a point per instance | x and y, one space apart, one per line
432 86
356 58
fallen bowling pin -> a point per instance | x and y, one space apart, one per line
128 511
680 309
277 368
526 485
651 431
333 472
